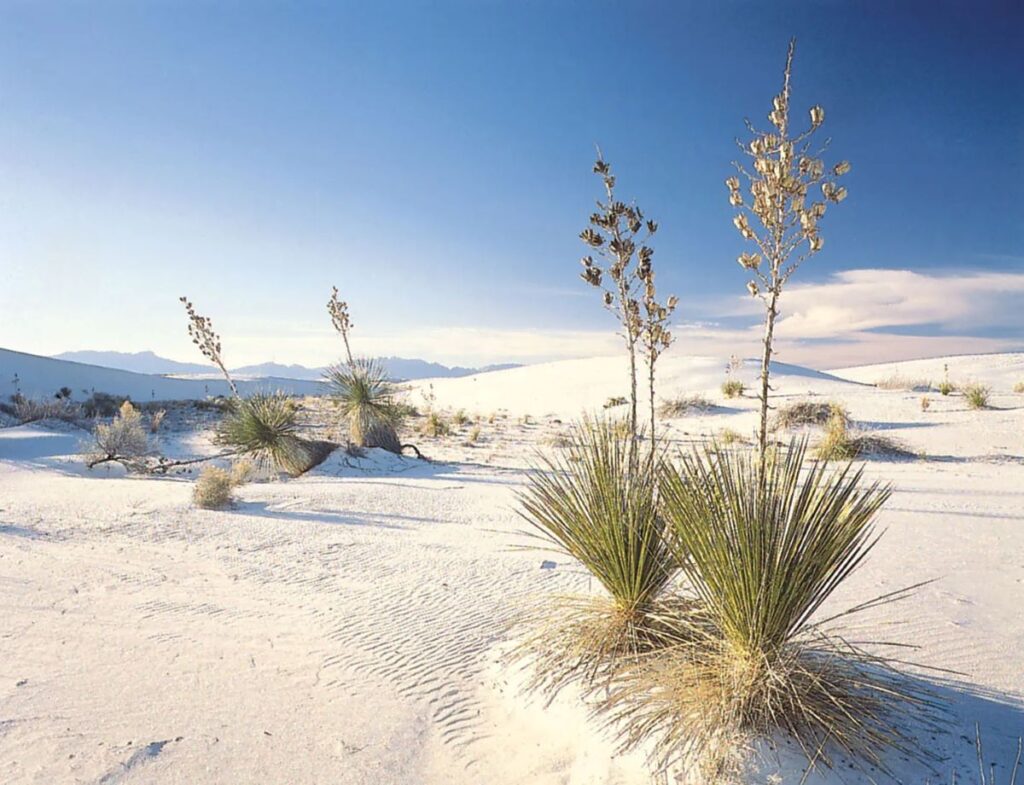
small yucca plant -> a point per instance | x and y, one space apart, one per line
977 395
733 388
597 505
265 426
365 397
763 547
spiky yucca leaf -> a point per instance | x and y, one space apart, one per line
266 427
762 552
595 501
365 398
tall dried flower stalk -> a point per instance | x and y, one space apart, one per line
200 330
619 233
338 310
782 218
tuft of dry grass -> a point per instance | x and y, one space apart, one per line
977 395
684 404
615 400
897 382
243 471
946 387
727 437
840 444
435 425
213 487
156 419
1019 388
474 435
802 413
33 410
733 388
925 403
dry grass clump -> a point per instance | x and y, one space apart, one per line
684 404
727 437
615 400
733 388
265 427
926 403
1019 388
213 487
802 413
597 505
435 425
365 399
763 550
474 435
977 395
33 410
243 470
897 382
946 387
840 444
124 439
156 419
460 418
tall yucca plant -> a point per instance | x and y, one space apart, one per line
595 504
364 395
763 545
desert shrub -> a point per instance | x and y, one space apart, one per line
474 435
212 489
460 418
763 549
265 427
243 470
101 404
926 403
156 419
802 413
977 395
684 404
434 424
727 437
733 388
124 438
597 505
897 382
616 400
840 443
1019 387
946 387
33 410
364 396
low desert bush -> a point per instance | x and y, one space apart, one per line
474 435
212 489
460 418
733 388
243 471
1019 388
683 405
124 439
802 413
156 419
596 503
897 382
763 550
32 409
727 437
364 396
435 425
265 427
616 400
926 403
977 395
946 387
101 404
840 443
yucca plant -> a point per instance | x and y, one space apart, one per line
763 549
265 426
365 398
598 506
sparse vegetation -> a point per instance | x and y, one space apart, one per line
474 435
926 403
946 387
243 470
733 388
727 437
265 427
435 425
785 170
897 382
839 443
977 395
28 410
460 418
1019 388
213 488
156 419
364 397
615 400
123 440
804 413
102 405
683 405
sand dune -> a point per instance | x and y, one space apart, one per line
348 626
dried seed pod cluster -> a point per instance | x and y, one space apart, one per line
338 309
200 330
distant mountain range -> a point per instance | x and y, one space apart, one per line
399 368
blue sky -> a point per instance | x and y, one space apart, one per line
433 161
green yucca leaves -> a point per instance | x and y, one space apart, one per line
265 425
365 398
597 505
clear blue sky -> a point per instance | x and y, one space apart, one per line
433 161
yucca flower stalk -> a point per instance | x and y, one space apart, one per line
619 234
790 188
593 504
200 330
365 397
338 309
763 547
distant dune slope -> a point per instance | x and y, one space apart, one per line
36 376
1000 371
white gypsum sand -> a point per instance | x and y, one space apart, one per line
347 626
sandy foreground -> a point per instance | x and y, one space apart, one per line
347 626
